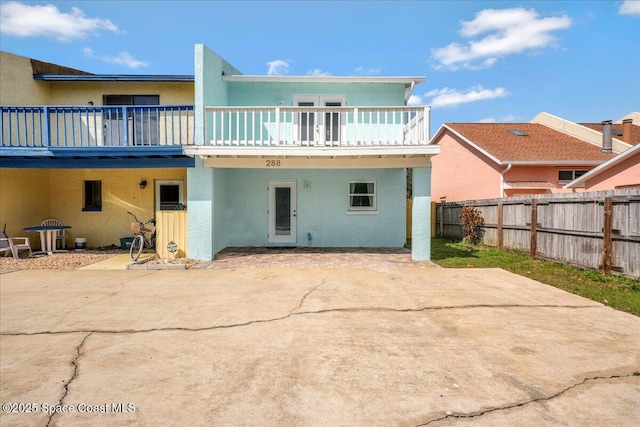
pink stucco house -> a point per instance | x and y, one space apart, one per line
623 171
490 160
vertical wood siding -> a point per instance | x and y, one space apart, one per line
171 226
568 227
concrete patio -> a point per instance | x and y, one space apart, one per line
311 346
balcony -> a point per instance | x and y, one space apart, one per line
349 127
89 137
89 127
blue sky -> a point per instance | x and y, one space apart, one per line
502 61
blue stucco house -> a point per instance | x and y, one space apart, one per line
305 161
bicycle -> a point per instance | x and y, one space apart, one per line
140 238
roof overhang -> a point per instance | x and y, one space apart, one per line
112 78
559 163
515 185
94 157
315 157
580 181
406 80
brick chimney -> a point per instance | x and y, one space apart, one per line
626 130
607 143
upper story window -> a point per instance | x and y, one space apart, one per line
570 175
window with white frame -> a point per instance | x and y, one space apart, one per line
169 195
362 196
569 175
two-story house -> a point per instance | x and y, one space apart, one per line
259 160
305 161
86 148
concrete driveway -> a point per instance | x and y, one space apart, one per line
391 346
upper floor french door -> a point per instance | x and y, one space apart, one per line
319 128
142 125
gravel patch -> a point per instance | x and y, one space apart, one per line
58 261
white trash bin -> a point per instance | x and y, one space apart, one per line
81 243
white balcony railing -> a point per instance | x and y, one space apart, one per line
316 126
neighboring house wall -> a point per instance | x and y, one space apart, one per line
36 194
460 172
24 200
81 93
624 174
17 86
539 173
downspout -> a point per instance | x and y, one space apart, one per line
408 95
502 179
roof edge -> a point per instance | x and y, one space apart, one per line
603 167
114 78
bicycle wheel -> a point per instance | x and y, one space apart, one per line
136 247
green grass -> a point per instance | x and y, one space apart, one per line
615 291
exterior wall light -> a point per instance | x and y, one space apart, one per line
143 184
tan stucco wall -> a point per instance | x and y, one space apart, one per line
27 196
24 200
81 93
17 86
624 174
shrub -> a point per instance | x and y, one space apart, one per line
472 224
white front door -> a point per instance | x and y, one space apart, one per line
282 211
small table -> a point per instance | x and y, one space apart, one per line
48 237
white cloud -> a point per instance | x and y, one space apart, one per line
506 119
361 71
415 100
277 67
451 97
22 20
318 72
123 58
506 32
630 7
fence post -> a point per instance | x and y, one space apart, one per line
442 219
534 226
606 238
500 224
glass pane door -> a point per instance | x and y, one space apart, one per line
282 214
283 211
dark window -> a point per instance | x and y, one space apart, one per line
570 175
565 175
92 196
362 196
169 196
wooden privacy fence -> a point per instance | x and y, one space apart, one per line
599 230
171 226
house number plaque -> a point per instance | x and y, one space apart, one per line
273 163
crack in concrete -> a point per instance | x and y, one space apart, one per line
292 313
304 297
517 405
74 364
